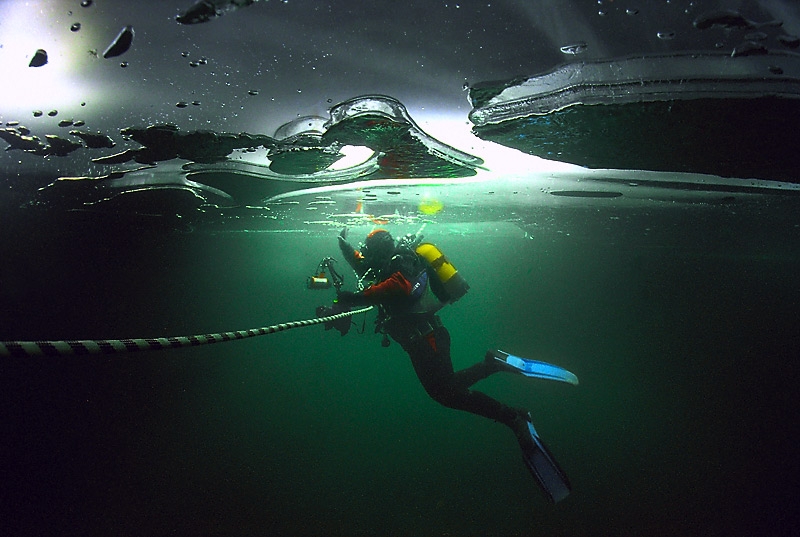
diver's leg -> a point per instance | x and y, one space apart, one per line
479 371
430 357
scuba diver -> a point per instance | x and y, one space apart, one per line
410 281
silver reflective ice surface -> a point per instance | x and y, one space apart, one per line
646 78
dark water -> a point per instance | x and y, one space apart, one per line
684 422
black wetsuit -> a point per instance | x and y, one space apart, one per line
423 336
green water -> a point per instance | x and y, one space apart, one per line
682 424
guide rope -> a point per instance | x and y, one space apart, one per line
84 347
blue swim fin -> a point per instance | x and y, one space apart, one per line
533 368
544 467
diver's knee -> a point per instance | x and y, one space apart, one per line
449 396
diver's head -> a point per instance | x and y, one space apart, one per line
378 249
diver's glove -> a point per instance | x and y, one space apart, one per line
342 324
347 250
346 298
343 237
349 298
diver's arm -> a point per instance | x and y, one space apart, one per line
395 286
350 254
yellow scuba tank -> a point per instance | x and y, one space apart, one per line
452 283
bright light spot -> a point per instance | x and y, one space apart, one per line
26 27
353 156
456 131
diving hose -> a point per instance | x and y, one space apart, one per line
117 346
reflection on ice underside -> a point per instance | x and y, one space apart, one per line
369 163
516 198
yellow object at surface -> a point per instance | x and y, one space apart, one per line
430 206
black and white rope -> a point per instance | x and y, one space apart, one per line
115 346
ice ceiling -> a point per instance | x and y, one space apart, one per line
83 78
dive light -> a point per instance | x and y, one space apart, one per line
321 280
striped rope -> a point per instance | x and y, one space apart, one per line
116 346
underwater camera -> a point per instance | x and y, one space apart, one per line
342 325
320 278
